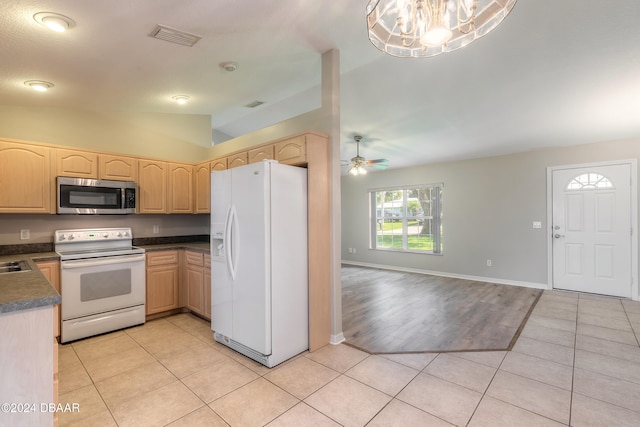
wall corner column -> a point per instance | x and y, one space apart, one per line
330 89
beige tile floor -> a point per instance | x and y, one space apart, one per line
577 362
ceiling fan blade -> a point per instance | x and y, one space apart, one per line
379 166
370 162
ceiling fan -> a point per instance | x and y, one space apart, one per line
357 165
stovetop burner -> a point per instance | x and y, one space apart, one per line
94 243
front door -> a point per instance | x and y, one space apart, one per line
591 229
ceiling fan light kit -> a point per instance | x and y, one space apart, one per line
358 164
423 28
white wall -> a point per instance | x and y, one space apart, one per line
488 206
176 137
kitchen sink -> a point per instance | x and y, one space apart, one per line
14 266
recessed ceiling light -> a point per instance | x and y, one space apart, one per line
229 66
39 85
54 21
180 99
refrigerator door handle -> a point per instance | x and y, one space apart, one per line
235 242
231 242
227 243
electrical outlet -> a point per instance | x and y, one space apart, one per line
354 250
156 229
489 263
537 224
25 235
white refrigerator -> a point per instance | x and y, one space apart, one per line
259 271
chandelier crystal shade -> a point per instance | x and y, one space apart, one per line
422 28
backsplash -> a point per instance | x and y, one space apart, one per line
41 227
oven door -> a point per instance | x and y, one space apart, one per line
98 285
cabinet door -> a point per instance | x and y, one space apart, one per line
81 164
207 286
202 186
152 186
195 290
262 153
162 289
25 178
118 168
219 164
291 151
236 160
51 270
180 188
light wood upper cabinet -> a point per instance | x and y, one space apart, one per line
219 164
261 153
152 187
291 151
81 164
25 178
180 193
238 159
202 188
118 168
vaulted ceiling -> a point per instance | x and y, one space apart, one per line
553 73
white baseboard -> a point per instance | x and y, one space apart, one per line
452 275
336 338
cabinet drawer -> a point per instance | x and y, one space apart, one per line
162 258
195 258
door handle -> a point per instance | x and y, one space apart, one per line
557 236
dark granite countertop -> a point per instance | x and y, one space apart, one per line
193 246
27 289
30 289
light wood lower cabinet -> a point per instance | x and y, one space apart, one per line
51 270
195 281
207 286
163 281
167 278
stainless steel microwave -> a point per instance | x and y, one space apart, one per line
95 196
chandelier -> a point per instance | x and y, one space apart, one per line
422 28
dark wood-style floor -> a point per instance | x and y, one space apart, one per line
392 312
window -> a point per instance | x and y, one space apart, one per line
589 181
407 218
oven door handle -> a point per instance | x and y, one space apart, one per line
81 263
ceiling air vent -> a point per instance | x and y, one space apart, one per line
254 104
174 36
